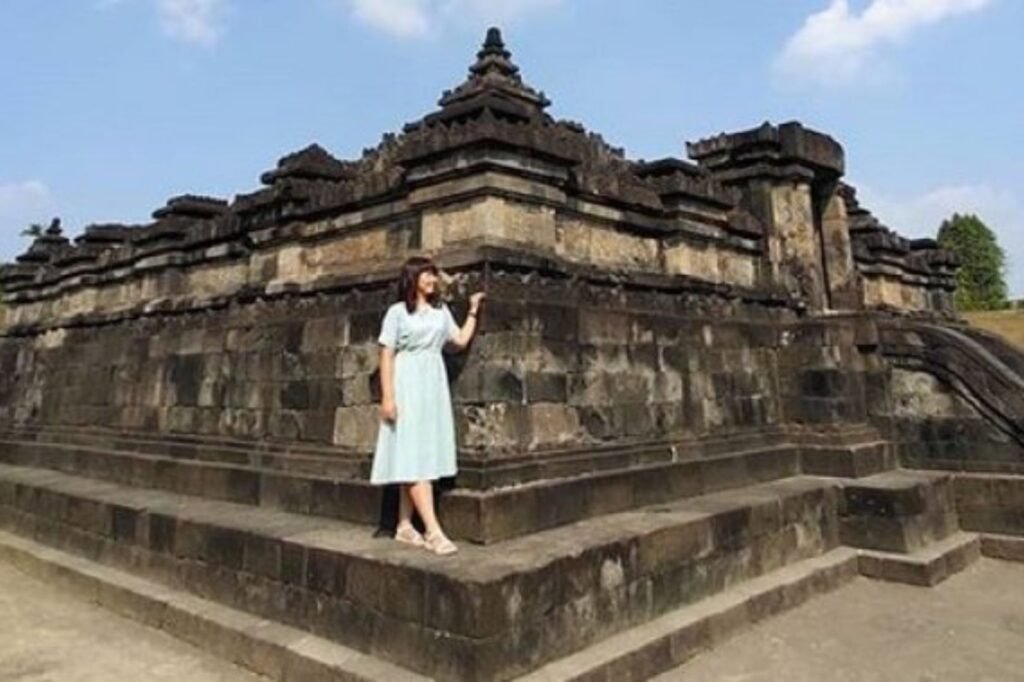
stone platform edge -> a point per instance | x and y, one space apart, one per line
268 648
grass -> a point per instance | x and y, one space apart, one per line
1007 323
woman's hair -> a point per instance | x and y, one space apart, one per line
411 272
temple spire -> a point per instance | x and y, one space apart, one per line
493 44
493 85
493 57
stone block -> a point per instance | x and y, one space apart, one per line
693 258
556 322
546 387
325 334
262 556
552 424
496 426
600 326
357 426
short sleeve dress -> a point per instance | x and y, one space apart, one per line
420 444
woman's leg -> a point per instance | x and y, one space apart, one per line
422 494
404 506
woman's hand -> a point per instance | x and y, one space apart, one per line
388 410
475 300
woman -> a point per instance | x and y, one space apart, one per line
416 440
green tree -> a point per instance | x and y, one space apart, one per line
981 280
34 230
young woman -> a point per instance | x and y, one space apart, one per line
416 440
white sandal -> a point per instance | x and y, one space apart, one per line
439 544
409 536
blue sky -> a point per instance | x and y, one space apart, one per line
108 107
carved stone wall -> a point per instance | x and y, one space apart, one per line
566 360
629 301
796 243
845 287
937 427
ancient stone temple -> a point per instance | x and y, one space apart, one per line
715 377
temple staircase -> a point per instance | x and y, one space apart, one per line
570 578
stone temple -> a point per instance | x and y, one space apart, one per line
702 392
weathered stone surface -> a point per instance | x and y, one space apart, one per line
653 332
501 617
925 567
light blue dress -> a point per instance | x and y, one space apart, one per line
420 444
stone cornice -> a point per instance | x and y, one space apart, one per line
785 151
469 258
176 242
879 250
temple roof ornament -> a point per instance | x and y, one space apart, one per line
786 149
108 234
493 84
47 245
192 206
312 163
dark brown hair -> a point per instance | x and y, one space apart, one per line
411 272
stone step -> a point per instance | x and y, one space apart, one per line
481 474
925 567
990 503
670 640
504 513
352 500
276 651
831 435
848 461
476 474
485 613
898 511
1005 547
305 459
479 516
182 444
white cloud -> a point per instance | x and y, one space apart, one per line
920 216
199 22
403 18
21 204
413 18
24 201
496 11
202 22
193 21
836 44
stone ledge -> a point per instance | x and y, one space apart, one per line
991 503
277 651
381 273
483 516
1004 547
898 511
493 516
570 487
179 445
483 613
852 461
673 639
926 567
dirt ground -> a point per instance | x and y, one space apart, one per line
48 635
968 629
